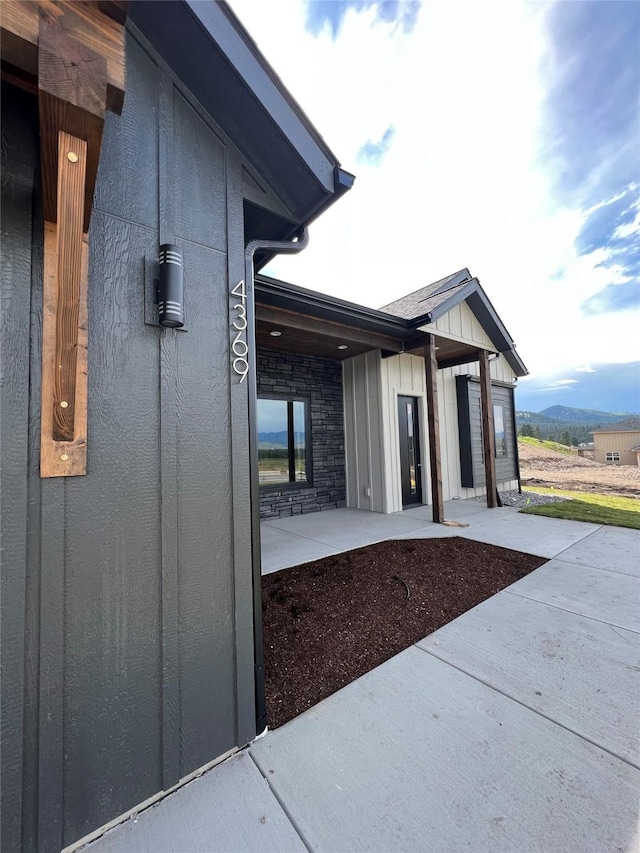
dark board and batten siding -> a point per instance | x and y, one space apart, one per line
18 622
472 469
320 381
128 638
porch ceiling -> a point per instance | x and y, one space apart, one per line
448 352
311 336
314 336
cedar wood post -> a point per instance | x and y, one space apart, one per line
431 368
488 437
73 56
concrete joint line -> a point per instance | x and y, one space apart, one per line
306 538
575 612
583 539
282 804
529 708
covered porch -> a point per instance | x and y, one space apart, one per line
381 416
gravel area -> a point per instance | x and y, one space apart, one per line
513 498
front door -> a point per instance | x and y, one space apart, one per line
410 464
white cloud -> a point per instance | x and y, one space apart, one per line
585 369
462 183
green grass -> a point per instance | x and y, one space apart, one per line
548 445
610 501
597 509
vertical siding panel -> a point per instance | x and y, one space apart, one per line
387 435
30 762
52 670
127 184
205 548
466 320
241 477
443 323
207 676
455 320
394 500
170 639
444 437
375 457
17 199
113 560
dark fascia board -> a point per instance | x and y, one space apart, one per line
245 56
486 314
213 55
291 297
453 281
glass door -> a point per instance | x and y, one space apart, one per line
410 462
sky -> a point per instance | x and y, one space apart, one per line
502 136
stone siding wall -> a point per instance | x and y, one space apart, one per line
320 381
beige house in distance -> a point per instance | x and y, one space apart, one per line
619 444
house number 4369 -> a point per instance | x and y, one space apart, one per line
239 348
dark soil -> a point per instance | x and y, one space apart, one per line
328 622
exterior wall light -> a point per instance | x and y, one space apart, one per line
171 287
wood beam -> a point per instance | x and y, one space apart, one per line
72 99
488 435
279 317
72 52
63 445
433 420
467 358
98 27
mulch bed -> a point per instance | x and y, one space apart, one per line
328 622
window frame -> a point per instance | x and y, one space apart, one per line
505 453
290 399
614 454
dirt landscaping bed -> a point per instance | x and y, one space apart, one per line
542 467
328 622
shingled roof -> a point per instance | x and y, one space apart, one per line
424 300
427 304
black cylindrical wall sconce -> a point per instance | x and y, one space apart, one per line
171 287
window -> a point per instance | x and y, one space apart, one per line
283 441
612 456
498 428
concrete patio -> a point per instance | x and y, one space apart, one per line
512 728
301 538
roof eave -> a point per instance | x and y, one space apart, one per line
271 291
210 51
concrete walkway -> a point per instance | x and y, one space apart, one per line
301 538
514 728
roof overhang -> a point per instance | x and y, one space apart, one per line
312 323
472 293
211 52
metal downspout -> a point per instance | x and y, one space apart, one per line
284 248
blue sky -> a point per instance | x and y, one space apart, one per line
502 136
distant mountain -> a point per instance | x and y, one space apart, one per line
566 424
278 440
569 413
599 386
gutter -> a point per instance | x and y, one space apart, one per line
342 183
283 248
